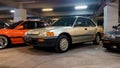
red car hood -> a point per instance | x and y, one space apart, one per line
5 31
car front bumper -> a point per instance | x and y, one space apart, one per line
111 43
41 42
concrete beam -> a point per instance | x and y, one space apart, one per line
14 5
89 12
9 3
111 15
5 8
59 3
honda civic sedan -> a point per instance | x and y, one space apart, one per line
64 32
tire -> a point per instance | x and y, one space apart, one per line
4 42
62 44
109 49
36 47
97 40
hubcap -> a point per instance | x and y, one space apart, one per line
3 41
64 44
98 39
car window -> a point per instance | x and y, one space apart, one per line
81 22
40 24
33 24
90 23
66 21
84 22
29 25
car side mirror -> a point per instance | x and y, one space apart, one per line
20 27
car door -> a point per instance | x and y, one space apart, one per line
80 30
18 33
84 30
91 29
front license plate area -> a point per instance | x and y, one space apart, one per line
114 47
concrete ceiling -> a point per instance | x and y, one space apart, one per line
61 7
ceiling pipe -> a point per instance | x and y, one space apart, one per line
21 5
100 10
112 0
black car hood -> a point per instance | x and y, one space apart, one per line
115 32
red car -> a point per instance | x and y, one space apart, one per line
14 33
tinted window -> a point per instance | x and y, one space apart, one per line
90 23
81 22
33 24
40 24
84 22
66 21
29 25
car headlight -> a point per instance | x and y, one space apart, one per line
27 33
47 34
113 36
107 35
41 34
50 33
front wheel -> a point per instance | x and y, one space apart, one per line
4 42
107 47
97 39
62 44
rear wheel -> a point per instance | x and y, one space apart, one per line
62 44
109 49
97 39
4 42
36 47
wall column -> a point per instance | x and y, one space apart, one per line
20 14
111 15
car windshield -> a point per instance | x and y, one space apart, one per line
12 26
66 21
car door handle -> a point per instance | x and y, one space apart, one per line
85 28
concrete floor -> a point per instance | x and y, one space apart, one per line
82 56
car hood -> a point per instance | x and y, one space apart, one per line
4 30
47 29
115 33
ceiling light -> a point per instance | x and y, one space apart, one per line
12 11
47 9
81 7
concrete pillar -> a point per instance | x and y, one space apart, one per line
111 15
20 14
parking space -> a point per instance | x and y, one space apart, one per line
79 56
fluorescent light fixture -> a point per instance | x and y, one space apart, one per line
81 7
12 11
47 9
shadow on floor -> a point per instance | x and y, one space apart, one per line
17 45
113 51
51 50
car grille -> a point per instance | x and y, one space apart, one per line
30 39
117 37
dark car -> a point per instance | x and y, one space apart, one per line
111 39
3 25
